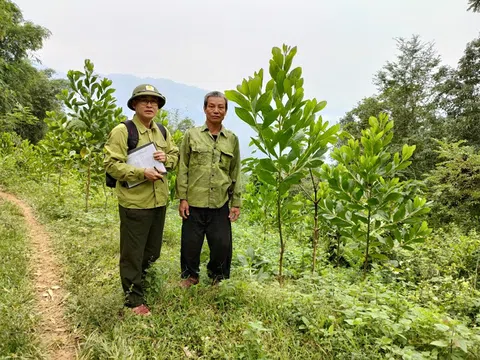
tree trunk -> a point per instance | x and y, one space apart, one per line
315 234
368 245
282 243
87 190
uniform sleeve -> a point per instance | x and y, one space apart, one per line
172 152
235 171
116 157
182 175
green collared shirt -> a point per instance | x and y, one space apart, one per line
149 194
207 168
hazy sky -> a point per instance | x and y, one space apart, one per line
215 44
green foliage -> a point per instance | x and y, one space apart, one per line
23 85
474 5
289 134
406 91
18 121
455 185
82 131
459 94
399 310
372 208
18 37
177 127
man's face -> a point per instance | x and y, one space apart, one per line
146 107
215 110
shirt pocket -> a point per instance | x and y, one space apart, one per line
161 144
201 156
226 158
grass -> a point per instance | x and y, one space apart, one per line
334 314
17 316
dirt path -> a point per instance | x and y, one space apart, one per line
53 330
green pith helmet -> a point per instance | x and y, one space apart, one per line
144 90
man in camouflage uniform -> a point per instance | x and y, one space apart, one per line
142 208
208 170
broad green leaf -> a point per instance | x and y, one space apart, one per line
394 196
461 343
407 151
373 122
373 201
238 98
314 163
273 70
246 117
278 56
83 152
269 118
388 127
243 88
254 85
379 256
320 106
289 58
294 153
287 87
263 101
399 214
259 146
268 165
360 217
279 79
266 177
293 119
270 85
403 165
293 178
284 138
442 327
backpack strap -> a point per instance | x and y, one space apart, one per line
162 130
132 139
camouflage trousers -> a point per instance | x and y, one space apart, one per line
141 235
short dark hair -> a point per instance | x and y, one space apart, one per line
215 94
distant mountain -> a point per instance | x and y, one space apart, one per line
188 100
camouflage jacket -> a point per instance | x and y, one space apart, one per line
208 167
147 195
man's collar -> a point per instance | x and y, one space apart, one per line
222 130
141 128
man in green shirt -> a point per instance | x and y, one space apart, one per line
142 207
209 168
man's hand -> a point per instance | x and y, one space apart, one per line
151 174
160 156
184 209
234 214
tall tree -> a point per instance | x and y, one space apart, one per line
474 5
289 131
406 92
91 114
22 84
459 96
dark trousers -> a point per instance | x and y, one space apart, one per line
141 235
215 224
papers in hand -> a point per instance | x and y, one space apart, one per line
142 157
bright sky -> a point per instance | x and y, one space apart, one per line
215 44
